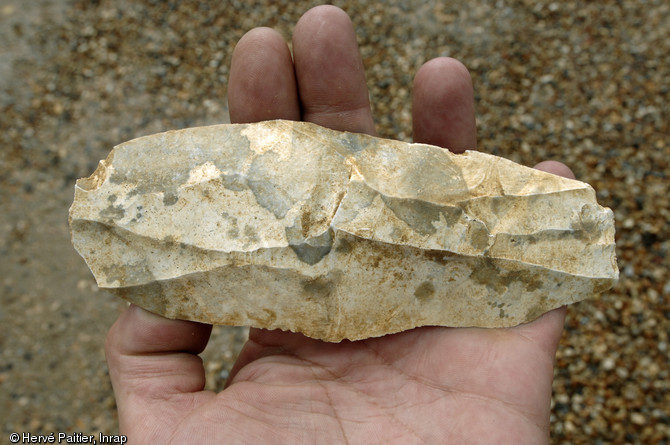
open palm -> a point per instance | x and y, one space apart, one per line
426 385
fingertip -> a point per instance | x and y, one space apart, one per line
323 12
556 168
138 331
546 330
440 65
331 78
262 83
443 110
321 18
258 34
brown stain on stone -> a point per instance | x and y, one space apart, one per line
306 222
169 239
602 284
425 291
309 221
170 198
494 276
342 246
533 284
536 310
266 317
374 261
317 288
436 256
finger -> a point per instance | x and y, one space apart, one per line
557 168
262 83
443 105
329 70
151 358
545 331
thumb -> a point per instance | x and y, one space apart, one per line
153 365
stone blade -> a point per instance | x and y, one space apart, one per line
336 235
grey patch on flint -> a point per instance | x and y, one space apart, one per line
314 250
420 215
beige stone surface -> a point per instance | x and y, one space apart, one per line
336 235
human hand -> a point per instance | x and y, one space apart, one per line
430 384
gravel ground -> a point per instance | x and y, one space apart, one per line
584 82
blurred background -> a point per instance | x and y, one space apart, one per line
587 83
